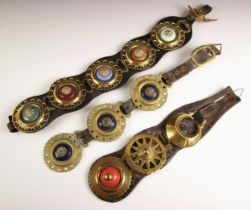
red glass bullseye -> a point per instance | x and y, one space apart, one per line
110 177
67 92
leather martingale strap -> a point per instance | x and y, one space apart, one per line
153 148
73 93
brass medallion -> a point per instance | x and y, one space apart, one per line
109 178
138 55
149 92
62 152
145 153
167 35
67 93
183 131
103 75
30 115
106 122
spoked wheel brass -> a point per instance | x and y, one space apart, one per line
109 178
62 152
145 153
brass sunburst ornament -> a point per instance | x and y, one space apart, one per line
145 153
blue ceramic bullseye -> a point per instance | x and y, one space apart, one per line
30 113
107 122
62 152
149 92
104 73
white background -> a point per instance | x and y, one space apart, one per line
41 41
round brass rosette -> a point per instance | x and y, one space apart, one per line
67 93
138 55
149 92
103 75
145 153
183 131
167 36
106 122
62 152
30 115
106 191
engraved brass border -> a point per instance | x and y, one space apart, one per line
139 101
172 45
96 112
102 191
36 125
61 104
63 166
138 65
100 85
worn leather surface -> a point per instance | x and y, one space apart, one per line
209 109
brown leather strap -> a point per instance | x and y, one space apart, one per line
128 106
202 57
84 136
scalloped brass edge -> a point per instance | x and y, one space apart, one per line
139 101
34 126
56 102
140 65
97 111
63 166
100 85
172 45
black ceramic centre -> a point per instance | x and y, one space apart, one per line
188 127
149 92
107 122
62 152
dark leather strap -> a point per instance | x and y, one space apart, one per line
90 89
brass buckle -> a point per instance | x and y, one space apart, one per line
209 60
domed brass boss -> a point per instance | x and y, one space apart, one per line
183 131
106 122
145 153
103 189
168 35
149 92
30 115
103 75
62 152
138 55
67 93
